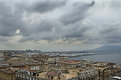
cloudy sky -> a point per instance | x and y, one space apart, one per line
55 25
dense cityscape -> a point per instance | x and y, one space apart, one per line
60 40
37 65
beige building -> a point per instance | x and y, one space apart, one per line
6 74
104 69
55 76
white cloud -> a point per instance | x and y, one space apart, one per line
17 31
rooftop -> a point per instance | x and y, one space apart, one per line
8 71
52 73
70 62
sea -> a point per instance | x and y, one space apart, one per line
110 57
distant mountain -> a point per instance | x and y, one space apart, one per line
108 48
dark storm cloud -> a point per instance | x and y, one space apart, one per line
42 6
42 30
68 25
49 30
46 29
11 17
78 13
54 29
10 20
77 33
107 34
111 34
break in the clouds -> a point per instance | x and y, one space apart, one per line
59 24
